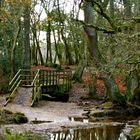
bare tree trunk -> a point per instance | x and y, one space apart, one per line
79 71
12 62
91 34
69 59
49 51
38 46
27 51
111 86
34 55
56 49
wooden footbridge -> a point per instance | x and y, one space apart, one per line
28 86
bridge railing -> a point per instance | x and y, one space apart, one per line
36 88
22 78
15 81
13 85
55 77
28 76
38 78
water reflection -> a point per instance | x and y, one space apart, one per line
99 133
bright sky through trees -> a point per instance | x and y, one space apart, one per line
66 5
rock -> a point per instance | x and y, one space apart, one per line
8 117
20 118
107 105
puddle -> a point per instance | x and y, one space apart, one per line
79 119
105 132
39 121
104 119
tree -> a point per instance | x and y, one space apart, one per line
111 86
127 6
27 50
35 28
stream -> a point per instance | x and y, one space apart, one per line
64 121
79 129
99 131
106 132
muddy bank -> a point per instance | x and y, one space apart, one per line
48 111
8 117
51 117
43 128
54 117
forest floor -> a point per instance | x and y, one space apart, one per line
50 116
54 116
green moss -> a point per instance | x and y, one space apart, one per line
20 118
5 111
7 117
8 135
120 98
137 19
104 114
135 133
107 105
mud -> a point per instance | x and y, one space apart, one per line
51 115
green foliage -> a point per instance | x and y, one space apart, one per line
79 71
7 117
120 50
4 63
92 91
20 118
107 105
135 133
8 135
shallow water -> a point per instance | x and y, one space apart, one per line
105 132
102 130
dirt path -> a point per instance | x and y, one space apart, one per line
48 111
56 116
23 96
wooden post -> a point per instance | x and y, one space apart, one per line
53 77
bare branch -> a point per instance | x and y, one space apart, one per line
95 27
103 13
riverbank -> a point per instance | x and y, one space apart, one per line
80 113
50 118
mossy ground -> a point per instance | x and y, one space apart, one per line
8 117
107 105
135 133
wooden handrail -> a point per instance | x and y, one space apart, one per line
12 94
18 78
35 78
35 87
16 82
13 79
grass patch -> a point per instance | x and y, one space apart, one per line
7 135
135 133
8 117
107 105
